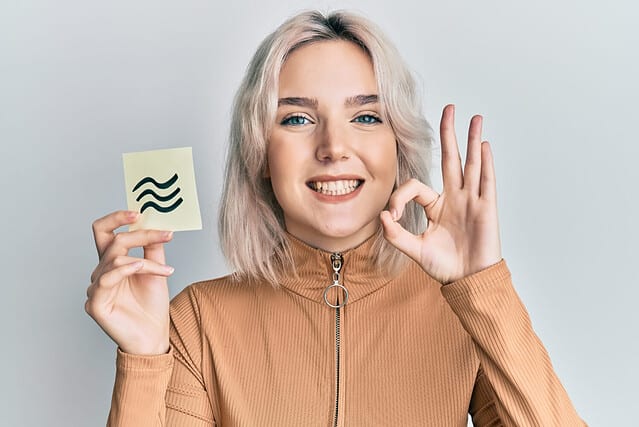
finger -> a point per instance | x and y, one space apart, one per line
399 237
112 278
117 275
90 290
149 266
106 283
155 252
488 190
411 190
451 160
472 168
123 242
103 228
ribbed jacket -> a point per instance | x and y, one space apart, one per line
403 351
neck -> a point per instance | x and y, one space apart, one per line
335 243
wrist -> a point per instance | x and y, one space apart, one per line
154 350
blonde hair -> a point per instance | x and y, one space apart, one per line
251 222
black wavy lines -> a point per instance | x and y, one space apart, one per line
160 208
161 185
157 197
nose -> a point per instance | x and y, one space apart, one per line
332 143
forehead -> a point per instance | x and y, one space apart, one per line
327 68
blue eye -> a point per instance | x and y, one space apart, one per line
367 119
295 121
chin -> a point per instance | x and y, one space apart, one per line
348 231
335 233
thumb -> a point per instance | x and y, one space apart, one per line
399 237
155 252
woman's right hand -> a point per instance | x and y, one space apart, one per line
129 297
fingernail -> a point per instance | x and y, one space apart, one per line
168 234
132 214
169 269
394 214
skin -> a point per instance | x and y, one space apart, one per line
462 236
128 297
330 138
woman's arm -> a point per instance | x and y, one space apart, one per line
158 380
461 249
165 390
516 384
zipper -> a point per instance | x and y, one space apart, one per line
337 363
336 264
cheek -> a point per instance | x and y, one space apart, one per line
281 175
282 152
386 160
276 157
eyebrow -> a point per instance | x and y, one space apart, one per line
353 101
359 100
298 102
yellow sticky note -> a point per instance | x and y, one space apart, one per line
160 184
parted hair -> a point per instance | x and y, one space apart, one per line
251 221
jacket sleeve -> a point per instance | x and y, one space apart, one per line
516 384
168 389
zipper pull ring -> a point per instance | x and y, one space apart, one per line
336 261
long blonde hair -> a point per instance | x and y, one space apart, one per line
251 222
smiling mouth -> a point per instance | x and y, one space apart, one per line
335 188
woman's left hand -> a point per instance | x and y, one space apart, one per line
462 236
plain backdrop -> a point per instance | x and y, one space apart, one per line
81 82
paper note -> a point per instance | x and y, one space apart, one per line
160 184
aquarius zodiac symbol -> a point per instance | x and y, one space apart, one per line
156 196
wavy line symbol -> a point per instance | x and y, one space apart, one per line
158 185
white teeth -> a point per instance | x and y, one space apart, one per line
335 188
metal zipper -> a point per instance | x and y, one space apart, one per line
337 363
336 263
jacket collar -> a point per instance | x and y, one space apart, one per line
315 272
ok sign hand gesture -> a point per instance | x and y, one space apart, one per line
462 236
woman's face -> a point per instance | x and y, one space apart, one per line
331 160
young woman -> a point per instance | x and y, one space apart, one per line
342 309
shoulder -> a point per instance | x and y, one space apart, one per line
227 291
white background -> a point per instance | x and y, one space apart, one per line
81 82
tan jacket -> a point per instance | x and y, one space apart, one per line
402 351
